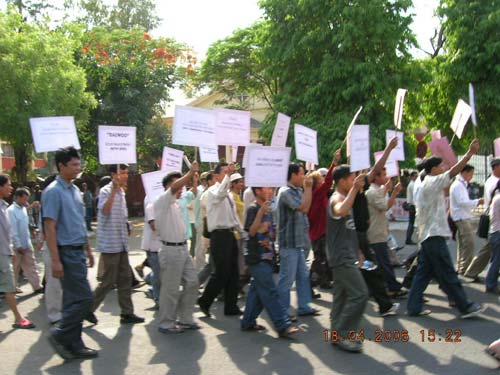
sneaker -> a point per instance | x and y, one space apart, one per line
392 311
91 318
130 319
472 310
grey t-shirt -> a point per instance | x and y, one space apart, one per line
341 237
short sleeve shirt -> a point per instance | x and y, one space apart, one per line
293 225
263 241
112 230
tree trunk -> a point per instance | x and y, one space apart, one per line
22 156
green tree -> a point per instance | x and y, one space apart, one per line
131 75
472 54
236 66
331 57
39 78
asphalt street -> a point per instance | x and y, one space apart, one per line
221 348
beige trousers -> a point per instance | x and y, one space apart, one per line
465 244
177 271
25 260
480 261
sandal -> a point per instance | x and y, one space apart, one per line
23 324
254 328
290 330
191 326
293 318
175 329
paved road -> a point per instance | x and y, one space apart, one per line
220 348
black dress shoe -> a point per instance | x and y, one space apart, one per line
60 349
204 309
130 319
316 296
233 312
85 353
91 318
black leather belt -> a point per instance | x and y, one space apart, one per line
173 243
70 247
223 230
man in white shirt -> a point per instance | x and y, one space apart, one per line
222 223
411 207
460 211
151 243
177 268
434 260
482 258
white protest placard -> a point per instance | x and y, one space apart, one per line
53 133
267 166
359 144
152 183
391 166
398 108
244 163
496 145
209 154
171 160
194 126
348 151
117 144
472 103
233 127
462 113
399 152
306 144
280 133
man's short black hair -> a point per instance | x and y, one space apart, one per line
254 190
104 181
293 168
420 166
21 192
340 172
219 167
210 176
414 174
168 179
64 155
468 168
431 162
112 168
4 178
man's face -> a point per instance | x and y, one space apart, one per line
71 169
467 176
496 171
239 184
122 176
348 182
381 179
22 200
6 190
297 179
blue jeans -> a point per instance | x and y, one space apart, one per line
435 261
382 254
492 275
77 298
293 268
264 294
89 213
155 277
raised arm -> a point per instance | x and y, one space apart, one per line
181 182
457 168
342 208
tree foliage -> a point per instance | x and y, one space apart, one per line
237 67
39 78
331 57
130 73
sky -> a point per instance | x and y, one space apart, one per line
199 23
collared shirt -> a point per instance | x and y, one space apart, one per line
150 238
169 222
19 226
62 202
495 214
432 216
112 232
220 211
460 203
5 248
378 230
197 207
183 203
293 225
409 192
489 186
